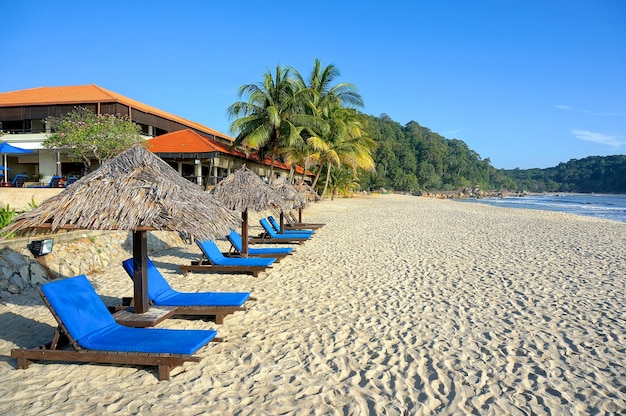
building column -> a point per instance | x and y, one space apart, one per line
197 171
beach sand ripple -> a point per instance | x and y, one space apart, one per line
399 305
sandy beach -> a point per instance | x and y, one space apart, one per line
400 305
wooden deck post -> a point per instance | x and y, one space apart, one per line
244 233
140 277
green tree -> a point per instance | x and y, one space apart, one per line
85 135
344 144
342 181
268 121
334 135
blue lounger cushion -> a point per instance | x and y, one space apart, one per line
213 253
88 321
276 225
162 294
270 231
237 242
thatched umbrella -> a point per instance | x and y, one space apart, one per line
139 192
244 190
308 194
291 195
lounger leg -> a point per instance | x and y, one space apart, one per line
219 319
164 372
23 363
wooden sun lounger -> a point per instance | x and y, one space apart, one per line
54 351
292 222
269 236
162 295
236 243
212 268
65 347
217 262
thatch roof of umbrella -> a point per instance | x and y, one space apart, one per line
135 191
307 192
292 195
289 193
243 191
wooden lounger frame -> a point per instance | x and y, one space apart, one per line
219 312
55 351
234 253
293 222
265 238
202 266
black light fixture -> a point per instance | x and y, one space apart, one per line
41 247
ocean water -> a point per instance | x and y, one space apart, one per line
610 207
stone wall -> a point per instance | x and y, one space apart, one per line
20 198
72 254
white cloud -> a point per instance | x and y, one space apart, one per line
591 113
599 138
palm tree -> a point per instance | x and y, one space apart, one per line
334 135
342 180
267 120
344 144
322 94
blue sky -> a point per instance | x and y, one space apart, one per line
525 83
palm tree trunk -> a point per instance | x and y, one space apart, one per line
317 176
327 180
292 171
271 178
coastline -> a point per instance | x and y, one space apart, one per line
604 206
399 304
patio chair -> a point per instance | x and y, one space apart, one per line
19 180
160 293
214 261
86 325
70 181
54 183
236 242
272 237
276 226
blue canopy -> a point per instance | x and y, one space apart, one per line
9 149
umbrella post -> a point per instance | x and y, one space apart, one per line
282 221
244 233
140 277
300 215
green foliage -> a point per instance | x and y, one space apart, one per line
309 122
86 135
341 181
32 204
7 215
592 174
412 157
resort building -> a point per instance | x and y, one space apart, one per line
197 152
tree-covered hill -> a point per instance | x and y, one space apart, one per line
600 174
411 158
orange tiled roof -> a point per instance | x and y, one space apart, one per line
90 94
188 141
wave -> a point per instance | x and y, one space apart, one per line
611 207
